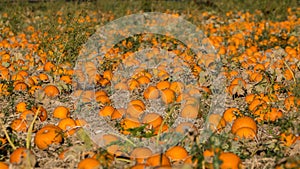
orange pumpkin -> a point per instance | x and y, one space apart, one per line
19 154
3 165
177 153
19 125
61 112
158 160
140 154
229 160
245 132
168 96
43 115
151 93
51 91
243 122
88 163
230 114
68 125
49 134
106 111
21 107
273 114
129 123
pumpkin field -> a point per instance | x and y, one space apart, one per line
150 84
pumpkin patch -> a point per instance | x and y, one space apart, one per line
154 84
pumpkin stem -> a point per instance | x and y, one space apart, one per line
28 139
7 136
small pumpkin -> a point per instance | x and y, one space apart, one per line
61 112
43 115
158 160
51 91
229 160
245 132
151 93
140 154
21 155
129 123
177 153
106 111
3 165
243 122
168 96
230 114
47 135
273 114
88 163
68 125
19 125
21 107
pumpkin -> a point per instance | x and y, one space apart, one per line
88 163
243 122
177 153
229 160
158 160
51 91
20 154
47 135
140 154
